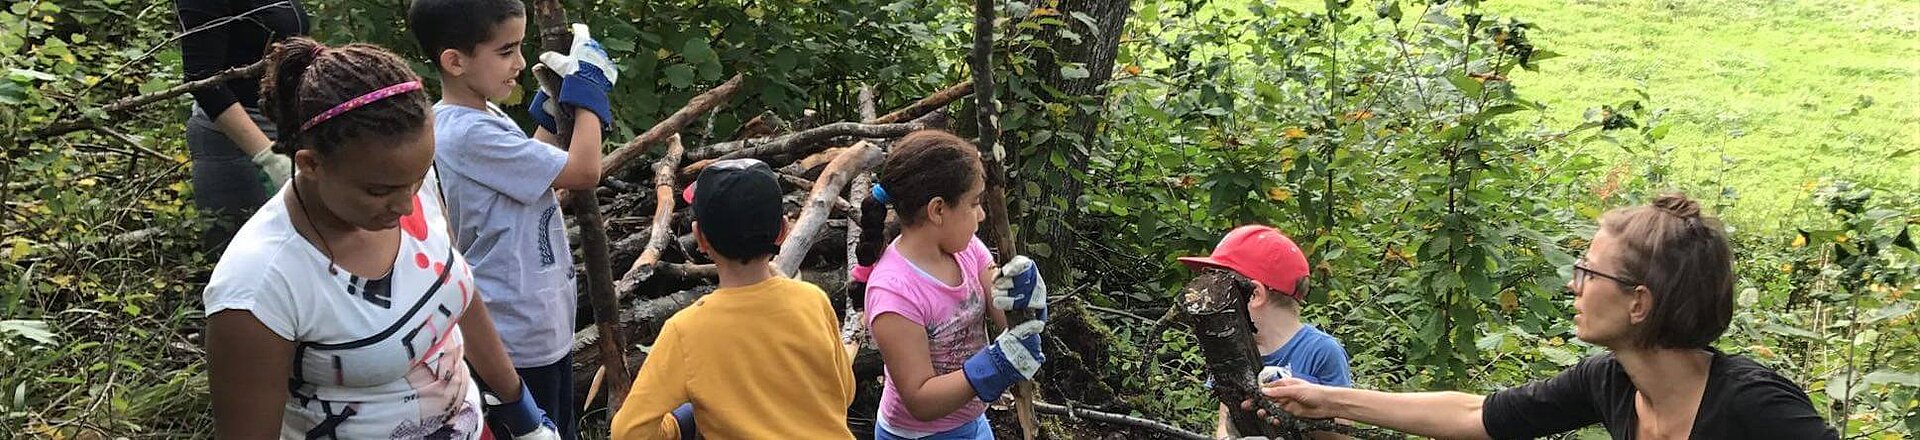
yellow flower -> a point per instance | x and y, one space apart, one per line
1800 240
1786 267
1293 133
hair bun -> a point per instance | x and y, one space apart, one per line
1678 205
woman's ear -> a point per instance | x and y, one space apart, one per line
1642 305
307 161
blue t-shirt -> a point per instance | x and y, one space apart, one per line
499 190
1313 355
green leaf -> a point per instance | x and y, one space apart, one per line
1784 330
1491 341
697 50
1559 356
680 76
1894 377
23 75
35 330
1466 85
1074 71
1891 311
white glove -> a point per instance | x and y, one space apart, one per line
278 167
584 50
544 433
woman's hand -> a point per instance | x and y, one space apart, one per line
1297 397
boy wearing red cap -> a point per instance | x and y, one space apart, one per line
1279 272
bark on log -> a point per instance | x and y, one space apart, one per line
820 203
1118 419
662 229
1215 303
135 102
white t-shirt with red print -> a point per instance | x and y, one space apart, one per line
377 358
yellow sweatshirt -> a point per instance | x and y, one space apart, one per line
761 361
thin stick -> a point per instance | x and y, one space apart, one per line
926 105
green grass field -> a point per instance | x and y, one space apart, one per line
1771 85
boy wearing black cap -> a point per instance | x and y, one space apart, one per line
761 356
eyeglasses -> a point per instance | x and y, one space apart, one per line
1581 272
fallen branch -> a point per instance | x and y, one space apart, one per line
1216 304
695 107
1117 419
662 229
928 104
803 142
142 100
820 202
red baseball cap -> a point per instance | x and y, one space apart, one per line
1261 253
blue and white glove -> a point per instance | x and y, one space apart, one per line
1019 287
543 109
589 75
1011 358
524 419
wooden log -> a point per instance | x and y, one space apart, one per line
664 201
1118 419
142 100
868 108
798 143
820 203
1215 304
552 18
672 125
933 102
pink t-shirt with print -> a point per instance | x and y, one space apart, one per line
953 315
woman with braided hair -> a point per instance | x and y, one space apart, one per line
1656 289
341 309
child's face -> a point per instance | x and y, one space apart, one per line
960 220
493 67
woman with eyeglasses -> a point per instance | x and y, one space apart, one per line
1655 289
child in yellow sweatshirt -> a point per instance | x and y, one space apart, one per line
761 356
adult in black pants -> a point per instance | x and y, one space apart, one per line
1656 289
230 141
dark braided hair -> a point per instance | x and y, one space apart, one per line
921 166
305 78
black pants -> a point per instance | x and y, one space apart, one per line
227 186
552 388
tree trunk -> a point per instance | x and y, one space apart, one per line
1048 215
1216 305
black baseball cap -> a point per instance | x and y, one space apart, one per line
737 203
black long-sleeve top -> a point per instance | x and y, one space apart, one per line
236 43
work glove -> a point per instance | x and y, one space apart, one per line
1011 358
277 166
589 75
524 419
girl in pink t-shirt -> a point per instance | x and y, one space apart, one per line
928 295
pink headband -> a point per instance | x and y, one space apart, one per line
363 100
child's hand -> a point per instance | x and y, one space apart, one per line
589 75
1012 357
543 109
1019 287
